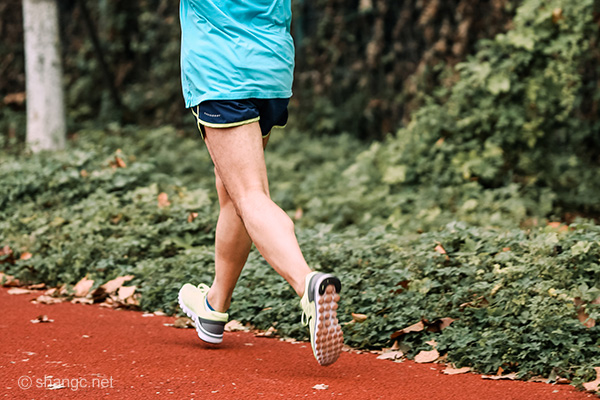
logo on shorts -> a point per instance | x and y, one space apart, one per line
212 115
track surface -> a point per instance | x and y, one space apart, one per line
136 357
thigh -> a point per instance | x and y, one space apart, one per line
238 155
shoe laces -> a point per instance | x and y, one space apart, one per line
204 288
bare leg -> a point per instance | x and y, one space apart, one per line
240 165
232 246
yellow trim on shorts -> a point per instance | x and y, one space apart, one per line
229 125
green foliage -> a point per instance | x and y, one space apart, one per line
511 291
514 137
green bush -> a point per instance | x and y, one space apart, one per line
510 291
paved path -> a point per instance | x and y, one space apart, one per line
136 357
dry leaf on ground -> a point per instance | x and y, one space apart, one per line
102 293
45 299
192 216
18 291
233 326
125 292
82 300
359 317
584 317
37 286
271 332
439 324
119 163
594 385
391 355
163 200
440 250
456 371
82 288
427 356
321 386
7 254
418 327
41 319
511 376
182 323
8 280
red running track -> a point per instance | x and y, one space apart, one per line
136 357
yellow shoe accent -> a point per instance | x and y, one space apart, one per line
319 311
209 324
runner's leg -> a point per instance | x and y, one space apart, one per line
232 246
238 156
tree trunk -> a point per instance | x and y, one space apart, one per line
46 128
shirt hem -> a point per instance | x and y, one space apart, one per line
255 94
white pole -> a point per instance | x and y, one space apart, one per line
46 127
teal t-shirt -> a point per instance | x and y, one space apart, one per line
236 49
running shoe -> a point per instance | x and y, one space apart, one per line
319 312
209 324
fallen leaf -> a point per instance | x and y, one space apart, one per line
439 324
321 386
558 226
557 15
82 288
456 371
8 280
18 291
432 343
114 284
234 326
418 327
268 333
582 316
440 249
7 255
359 317
594 385
511 376
163 200
45 299
391 355
119 162
82 300
427 356
41 319
538 379
192 216
37 286
25 256
125 292
183 323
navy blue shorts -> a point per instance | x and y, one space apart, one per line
269 113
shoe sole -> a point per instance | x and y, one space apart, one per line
202 334
328 335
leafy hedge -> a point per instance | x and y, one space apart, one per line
93 211
477 175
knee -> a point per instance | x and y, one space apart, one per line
224 199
